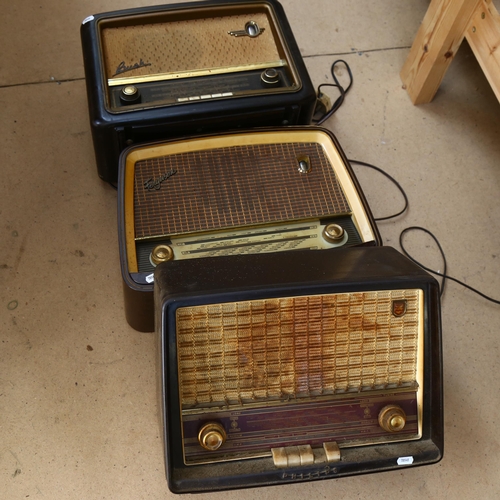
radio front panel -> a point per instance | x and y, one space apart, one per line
241 193
172 58
318 368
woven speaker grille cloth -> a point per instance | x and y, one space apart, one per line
234 187
189 45
294 347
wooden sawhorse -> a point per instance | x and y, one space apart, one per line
445 25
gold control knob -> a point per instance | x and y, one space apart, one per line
333 233
161 253
212 436
392 418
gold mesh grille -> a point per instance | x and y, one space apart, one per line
194 44
296 347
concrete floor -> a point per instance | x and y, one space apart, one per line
78 416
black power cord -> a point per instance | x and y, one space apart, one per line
336 105
343 91
444 275
394 181
445 265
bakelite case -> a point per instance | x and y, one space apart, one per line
190 68
276 401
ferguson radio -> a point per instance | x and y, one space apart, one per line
297 366
274 190
185 69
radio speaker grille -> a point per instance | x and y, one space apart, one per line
194 44
234 353
235 186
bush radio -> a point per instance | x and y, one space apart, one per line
185 69
259 191
297 366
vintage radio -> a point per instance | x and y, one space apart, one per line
236 193
277 368
185 69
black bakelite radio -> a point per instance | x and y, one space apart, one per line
297 366
190 68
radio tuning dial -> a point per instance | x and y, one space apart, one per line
212 436
392 418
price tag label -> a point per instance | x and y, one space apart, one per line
405 460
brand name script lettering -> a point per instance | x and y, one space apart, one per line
155 184
123 68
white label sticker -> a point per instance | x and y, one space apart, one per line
87 19
405 460
150 278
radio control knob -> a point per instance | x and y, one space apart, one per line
130 94
304 164
270 77
212 436
161 253
333 233
252 29
392 418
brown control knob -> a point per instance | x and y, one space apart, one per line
161 253
392 418
212 436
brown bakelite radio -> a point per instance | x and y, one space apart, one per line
297 366
259 191
189 68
